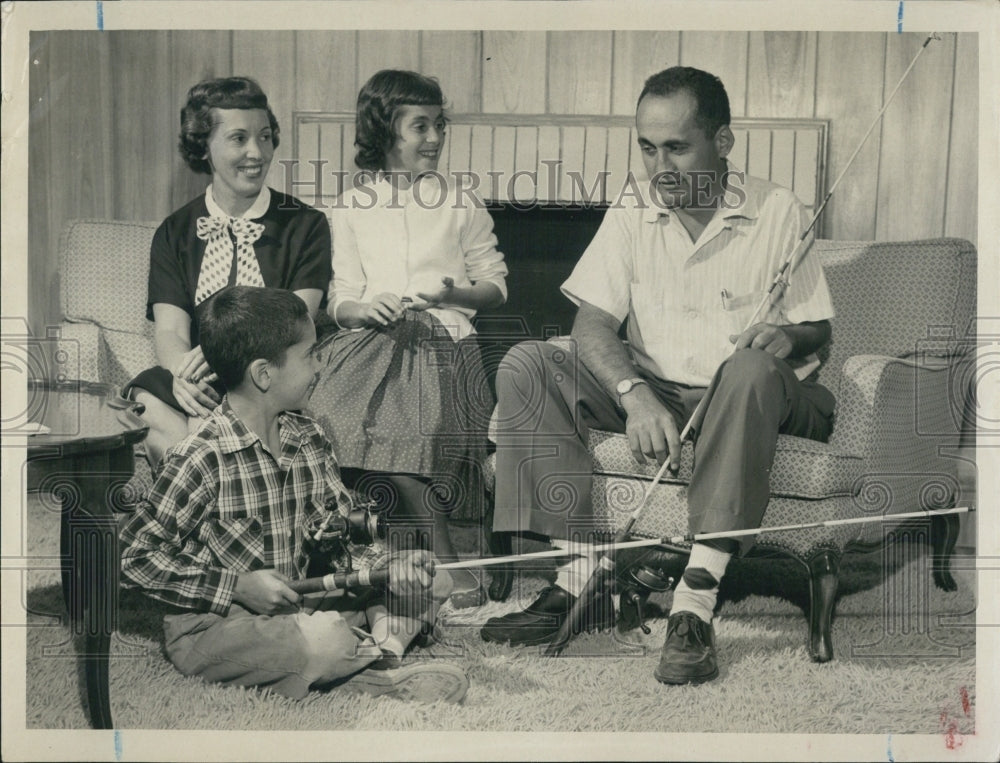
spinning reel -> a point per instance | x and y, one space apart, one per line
328 538
639 578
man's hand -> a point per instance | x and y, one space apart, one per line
651 429
384 310
766 337
433 299
265 592
410 572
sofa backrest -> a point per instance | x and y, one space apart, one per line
104 266
897 298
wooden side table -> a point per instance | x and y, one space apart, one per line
86 454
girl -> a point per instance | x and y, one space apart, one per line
403 394
238 231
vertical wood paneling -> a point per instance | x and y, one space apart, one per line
784 74
194 57
481 159
637 55
782 159
269 57
913 169
514 72
144 128
548 153
759 153
571 171
724 54
619 145
961 213
379 50
849 86
503 158
526 185
579 73
803 181
102 139
455 58
326 70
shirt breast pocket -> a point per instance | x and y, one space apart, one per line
236 542
739 309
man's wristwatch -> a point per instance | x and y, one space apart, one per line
627 385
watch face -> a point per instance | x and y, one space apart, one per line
624 386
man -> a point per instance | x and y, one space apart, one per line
686 265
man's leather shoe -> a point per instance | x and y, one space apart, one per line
688 655
541 620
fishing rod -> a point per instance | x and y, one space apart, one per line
606 565
368 577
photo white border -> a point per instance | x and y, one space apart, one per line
19 18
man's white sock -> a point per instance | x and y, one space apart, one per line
573 575
699 587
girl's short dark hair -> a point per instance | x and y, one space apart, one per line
378 108
239 324
707 90
196 116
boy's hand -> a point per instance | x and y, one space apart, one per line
264 591
410 572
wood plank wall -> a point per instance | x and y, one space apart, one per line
105 106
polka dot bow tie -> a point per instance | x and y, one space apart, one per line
218 260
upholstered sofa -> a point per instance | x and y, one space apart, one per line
899 363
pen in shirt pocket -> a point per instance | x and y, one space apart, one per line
725 299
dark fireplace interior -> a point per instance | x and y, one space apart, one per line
541 244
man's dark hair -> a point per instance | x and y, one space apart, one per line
239 324
196 116
379 103
707 90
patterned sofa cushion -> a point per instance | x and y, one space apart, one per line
802 468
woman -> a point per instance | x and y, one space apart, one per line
238 231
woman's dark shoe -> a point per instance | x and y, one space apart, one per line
688 655
541 620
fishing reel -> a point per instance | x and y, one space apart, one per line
328 537
637 581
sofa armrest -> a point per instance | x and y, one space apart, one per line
897 414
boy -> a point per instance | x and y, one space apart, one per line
220 536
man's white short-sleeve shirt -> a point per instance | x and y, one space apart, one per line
683 299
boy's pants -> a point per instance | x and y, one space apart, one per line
331 638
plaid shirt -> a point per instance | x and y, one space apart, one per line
223 504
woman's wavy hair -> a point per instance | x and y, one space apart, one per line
196 116
378 110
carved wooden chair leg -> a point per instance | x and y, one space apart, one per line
823 581
944 534
499 544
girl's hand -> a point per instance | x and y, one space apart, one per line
384 310
433 299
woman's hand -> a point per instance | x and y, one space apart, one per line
433 299
197 399
193 367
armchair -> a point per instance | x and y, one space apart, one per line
898 363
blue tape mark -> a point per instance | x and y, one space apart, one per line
888 751
100 16
899 18
118 733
